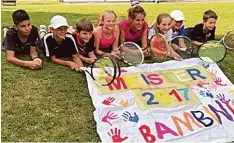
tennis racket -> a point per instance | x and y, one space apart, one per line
212 52
131 53
228 40
159 47
102 71
187 52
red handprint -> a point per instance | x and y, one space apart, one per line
109 117
116 136
108 100
219 82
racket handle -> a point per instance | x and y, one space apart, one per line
83 68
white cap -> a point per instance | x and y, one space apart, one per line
58 21
177 15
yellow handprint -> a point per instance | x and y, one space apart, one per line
122 102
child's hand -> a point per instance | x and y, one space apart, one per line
39 62
33 65
90 60
74 66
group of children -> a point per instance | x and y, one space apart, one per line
85 43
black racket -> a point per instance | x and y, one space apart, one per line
131 53
159 47
103 71
187 51
212 52
228 40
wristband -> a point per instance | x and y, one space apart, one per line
34 58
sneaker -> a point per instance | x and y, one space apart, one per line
42 28
42 31
4 29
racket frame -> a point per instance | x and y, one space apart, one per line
86 69
140 50
215 43
151 51
222 40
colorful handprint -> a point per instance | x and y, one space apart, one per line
115 135
122 102
109 116
128 117
108 100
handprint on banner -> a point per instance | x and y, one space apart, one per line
222 99
127 117
122 102
205 65
206 94
213 73
109 116
116 136
108 101
202 83
217 80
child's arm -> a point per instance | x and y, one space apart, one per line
77 60
70 64
88 60
34 56
144 38
12 59
196 43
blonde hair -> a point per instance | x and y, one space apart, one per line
159 20
108 12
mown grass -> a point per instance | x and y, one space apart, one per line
54 104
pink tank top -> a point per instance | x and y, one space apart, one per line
106 43
132 36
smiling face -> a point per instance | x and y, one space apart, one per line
164 25
137 22
60 33
24 28
84 36
109 21
210 23
175 25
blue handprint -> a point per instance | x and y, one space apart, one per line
128 117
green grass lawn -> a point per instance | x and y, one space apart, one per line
54 104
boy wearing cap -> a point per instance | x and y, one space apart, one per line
178 28
59 44
205 31
22 39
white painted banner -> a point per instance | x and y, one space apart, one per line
174 101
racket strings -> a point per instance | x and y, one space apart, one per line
229 40
105 72
132 54
212 52
158 46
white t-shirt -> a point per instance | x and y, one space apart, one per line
167 36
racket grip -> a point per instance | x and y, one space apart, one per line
83 68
